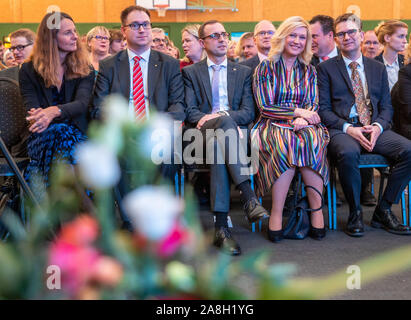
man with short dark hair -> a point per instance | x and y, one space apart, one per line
219 98
149 80
355 106
323 45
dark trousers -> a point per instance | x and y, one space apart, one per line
345 152
230 169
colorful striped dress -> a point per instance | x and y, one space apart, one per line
280 148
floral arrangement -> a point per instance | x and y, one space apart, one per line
71 247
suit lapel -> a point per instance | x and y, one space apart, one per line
205 79
124 74
368 70
154 67
343 69
231 81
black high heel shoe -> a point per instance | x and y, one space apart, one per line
275 236
317 234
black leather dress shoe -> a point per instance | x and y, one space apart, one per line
386 220
367 198
275 236
254 210
355 225
225 241
316 233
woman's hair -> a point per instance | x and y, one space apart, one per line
193 29
284 30
407 58
46 58
388 27
239 48
116 34
96 30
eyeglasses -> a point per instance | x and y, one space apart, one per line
351 33
158 40
368 43
264 33
101 38
136 26
216 35
20 47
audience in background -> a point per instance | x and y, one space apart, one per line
231 52
98 43
392 34
172 49
246 47
192 48
8 59
56 85
117 41
263 32
323 45
159 40
1 52
370 47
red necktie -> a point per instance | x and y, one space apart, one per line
138 90
325 58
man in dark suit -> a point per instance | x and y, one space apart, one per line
219 98
323 44
324 48
355 105
263 32
162 81
148 79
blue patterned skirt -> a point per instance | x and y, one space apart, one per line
56 144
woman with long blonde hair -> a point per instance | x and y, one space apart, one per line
56 85
289 133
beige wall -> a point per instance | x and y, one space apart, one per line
26 11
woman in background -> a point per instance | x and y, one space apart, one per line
192 48
98 43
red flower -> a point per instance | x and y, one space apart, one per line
172 242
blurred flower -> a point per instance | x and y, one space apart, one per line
172 242
115 110
82 231
153 211
98 165
107 271
181 276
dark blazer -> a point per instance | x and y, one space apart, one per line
77 95
400 59
401 101
337 95
315 61
252 63
12 73
165 84
199 98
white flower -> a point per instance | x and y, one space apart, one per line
98 165
115 110
152 211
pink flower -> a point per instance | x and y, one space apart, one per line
172 242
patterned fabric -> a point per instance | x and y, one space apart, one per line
277 96
56 144
364 113
138 90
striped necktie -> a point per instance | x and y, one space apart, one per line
138 90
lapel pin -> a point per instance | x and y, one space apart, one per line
234 69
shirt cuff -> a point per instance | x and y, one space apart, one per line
346 126
377 124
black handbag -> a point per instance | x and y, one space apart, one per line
297 224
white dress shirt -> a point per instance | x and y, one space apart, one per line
332 54
144 69
261 56
392 71
222 84
361 71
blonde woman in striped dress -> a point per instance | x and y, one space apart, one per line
289 133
